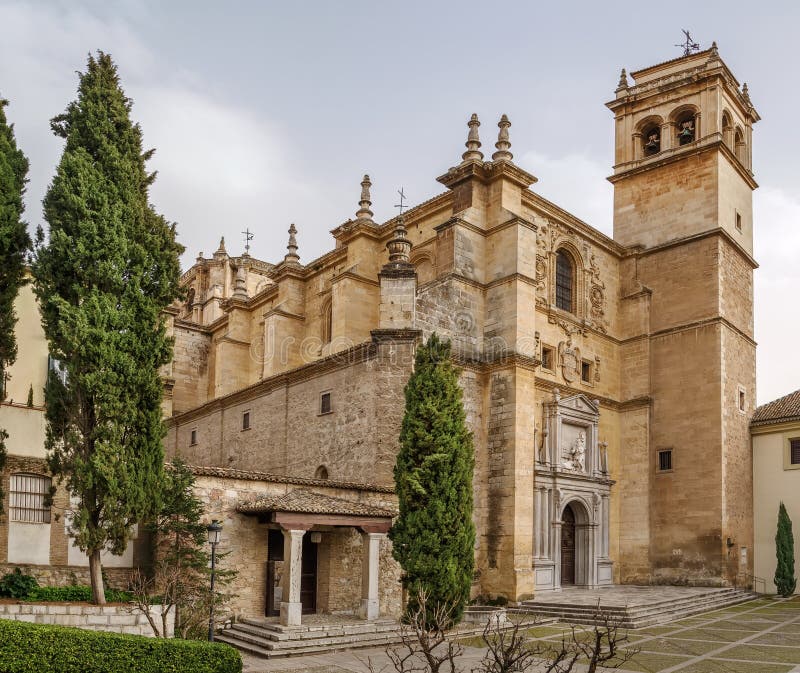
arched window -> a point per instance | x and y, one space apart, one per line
321 473
651 140
685 128
28 496
565 281
327 322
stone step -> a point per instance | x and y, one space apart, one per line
567 606
283 633
640 610
666 613
254 637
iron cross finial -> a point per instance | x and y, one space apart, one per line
248 236
689 45
401 205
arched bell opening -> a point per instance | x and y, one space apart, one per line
739 145
651 140
686 128
727 129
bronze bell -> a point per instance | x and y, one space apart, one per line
686 135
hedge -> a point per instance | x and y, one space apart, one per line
32 648
75 593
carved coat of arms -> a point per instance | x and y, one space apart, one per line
570 359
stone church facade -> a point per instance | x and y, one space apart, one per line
608 382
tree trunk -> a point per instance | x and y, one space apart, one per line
96 577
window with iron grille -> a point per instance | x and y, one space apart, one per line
665 460
246 420
794 451
27 495
564 280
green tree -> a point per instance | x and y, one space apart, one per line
785 580
14 245
434 536
103 278
180 577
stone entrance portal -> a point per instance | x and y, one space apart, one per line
571 498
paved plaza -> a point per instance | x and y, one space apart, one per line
761 636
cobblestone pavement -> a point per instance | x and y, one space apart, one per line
761 636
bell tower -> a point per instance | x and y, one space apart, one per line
683 186
683 153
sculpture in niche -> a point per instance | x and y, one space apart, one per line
575 455
570 359
540 282
603 446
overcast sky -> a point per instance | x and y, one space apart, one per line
267 113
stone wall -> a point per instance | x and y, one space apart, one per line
289 434
113 618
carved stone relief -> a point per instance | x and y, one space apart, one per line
569 358
597 297
573 455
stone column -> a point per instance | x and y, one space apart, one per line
548 524
291 607
537 522
605 549
557 555
370 575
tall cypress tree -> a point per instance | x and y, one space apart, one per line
14 244
785 579
108 270
434 536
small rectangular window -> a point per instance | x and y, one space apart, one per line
246 420
193 438
665 460
738 221
586 371
325 403
742 400
547 358
794 451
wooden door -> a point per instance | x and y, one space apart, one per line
568 547
308 576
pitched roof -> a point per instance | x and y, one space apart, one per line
309 502
252 475
783 409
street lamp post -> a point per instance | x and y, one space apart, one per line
214 533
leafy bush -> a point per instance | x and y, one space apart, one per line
17 584
59 649
75 593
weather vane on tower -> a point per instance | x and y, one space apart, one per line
689 45
248 236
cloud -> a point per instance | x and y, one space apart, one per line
776 224
221 167
575 182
